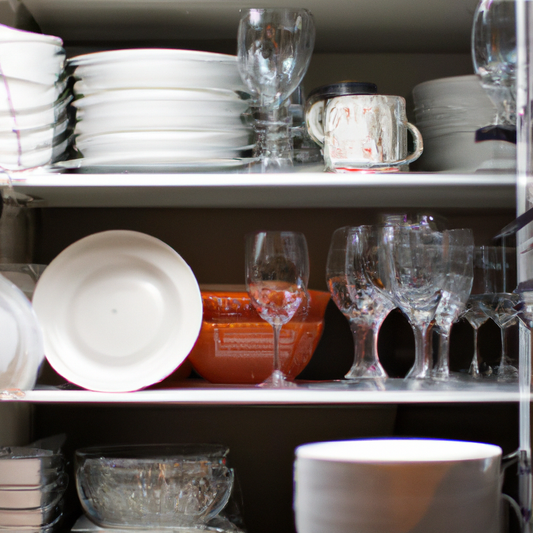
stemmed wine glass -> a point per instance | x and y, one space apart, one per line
357 298
274 50
459 245
414 268
498 301
277 273
494 57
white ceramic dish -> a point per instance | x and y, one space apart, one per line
398 485
123 163
39 62
21 340
34 117
120 311
35 158
19 95
163 141
155 68
22 141
152 109
7 33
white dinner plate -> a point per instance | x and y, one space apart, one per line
156 68
164 141
120 311
103 165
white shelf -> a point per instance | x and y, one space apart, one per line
390 391
305 189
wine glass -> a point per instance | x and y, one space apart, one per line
414 270
494 56
274 50
357 298
498 301
277 273
476 317
459 245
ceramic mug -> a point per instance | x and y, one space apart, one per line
363 132
398 486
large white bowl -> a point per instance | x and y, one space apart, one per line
19 95
155 68
398 486
40 62
7 33
34 117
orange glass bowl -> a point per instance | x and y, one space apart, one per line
236 345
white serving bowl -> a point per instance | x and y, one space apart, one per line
7 33
398 485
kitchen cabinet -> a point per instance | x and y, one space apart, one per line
204 216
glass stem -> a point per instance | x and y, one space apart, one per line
474 365
366 362
273 138
422 367
442 370
276 363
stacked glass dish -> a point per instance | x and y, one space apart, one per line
156 487
164 107
33 99
32 484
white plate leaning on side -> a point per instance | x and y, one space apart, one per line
120 310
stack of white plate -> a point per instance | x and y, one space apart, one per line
32 484
159 107
33 99
448 112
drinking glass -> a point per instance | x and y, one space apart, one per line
277 273
476 317
498 301
494 55
459 245
274 50
414 271
357 298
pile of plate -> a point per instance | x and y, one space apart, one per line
33 99
159 107
32 484
448 112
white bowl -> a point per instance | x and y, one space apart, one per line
398 485
34 117
39 62
7 33
20 95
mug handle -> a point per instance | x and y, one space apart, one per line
313 121
418 145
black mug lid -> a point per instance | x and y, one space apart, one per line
344 88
